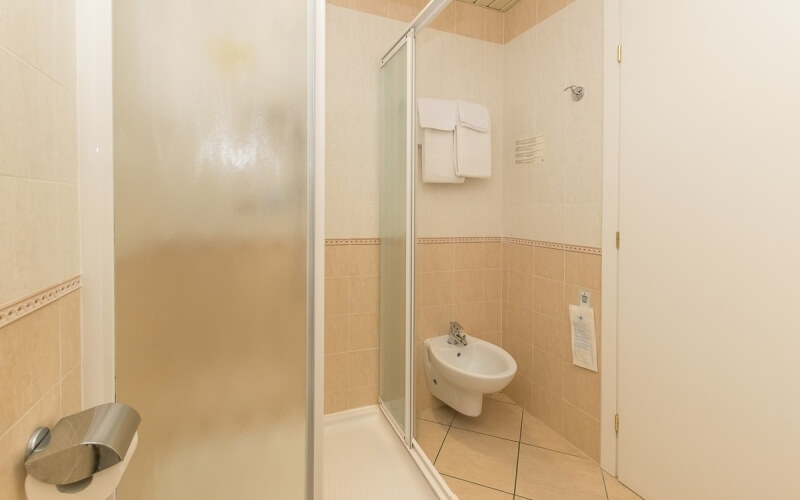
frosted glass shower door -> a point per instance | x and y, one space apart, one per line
396 181
212 253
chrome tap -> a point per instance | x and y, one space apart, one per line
456 334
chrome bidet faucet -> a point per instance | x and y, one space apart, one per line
456 334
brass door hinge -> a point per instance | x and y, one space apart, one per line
617 239
619 53
616 423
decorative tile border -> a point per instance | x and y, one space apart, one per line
459 239
351 241
21 308
556 246
473 239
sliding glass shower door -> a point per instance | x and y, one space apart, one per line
212 248
396 230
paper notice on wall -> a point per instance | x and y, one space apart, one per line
584 342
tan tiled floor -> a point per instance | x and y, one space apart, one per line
507 454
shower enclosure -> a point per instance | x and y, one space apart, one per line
213 190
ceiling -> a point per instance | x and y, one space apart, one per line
500 5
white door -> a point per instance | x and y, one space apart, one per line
709 280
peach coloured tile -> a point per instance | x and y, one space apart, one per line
494 27
546 8
446 20
468 256
492 284
30 363
377 7
583 269
71 391
364 260
441 414
582 389
492 316
548 372
519 390
339 3
522 354
435 321
547 333
547 407
520 258
337 295
436 288
362 396
582 430
336 372
432 257
363 368
548 297
470 316
536 433
405 10
617 490
493 255
335 401
337 261
548 263
430 436
479 458
471 491
44 412
521 289
363 294
520 324
364 331
519 19
69 318
502 397
493 338
497 419
471 21
336 333
467 286
549 475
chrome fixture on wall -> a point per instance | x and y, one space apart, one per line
577 92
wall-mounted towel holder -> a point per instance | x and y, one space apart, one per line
577 92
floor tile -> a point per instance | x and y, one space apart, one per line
496 419
443 414
430 437
499 396
472 491
480 459
549 475
535 432
617 490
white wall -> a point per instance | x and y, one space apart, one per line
708 332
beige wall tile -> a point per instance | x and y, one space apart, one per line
30 364
339 3
494 27
492 316
548 263
493 284
446 20
546 8
547 334
364 260
520 289
377 7
436 321
582 389
520 389
405 10
583 269
335 401
363 368
547 372
364 294
336 333
548 407
364 331
336 372
548 297
470 316
467 286
520 258
436 288
522 354
536 433
470 21
337 261
362 396
583 431
71 392
337 295
45 412
519 18
69 314
435 257
493 255
520 324
468 256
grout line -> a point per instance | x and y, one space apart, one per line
519 450
33 405
485 434
447 433
477 484
605 486
36 68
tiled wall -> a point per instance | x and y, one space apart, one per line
456 281
40 353
541 283
351 324
528 13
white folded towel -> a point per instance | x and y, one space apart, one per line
439 114
438 118
473 141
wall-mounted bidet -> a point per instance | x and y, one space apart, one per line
461 371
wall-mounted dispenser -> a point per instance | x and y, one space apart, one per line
84 455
